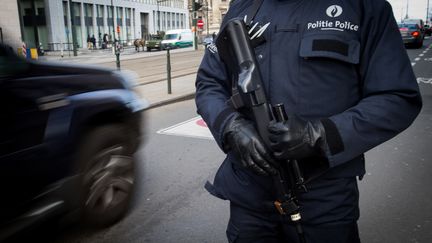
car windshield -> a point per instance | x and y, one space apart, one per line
171 36
155 37
409 26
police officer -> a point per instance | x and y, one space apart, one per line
342 72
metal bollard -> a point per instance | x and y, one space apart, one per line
169 70
118 60
117 54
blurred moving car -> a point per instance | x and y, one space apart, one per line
154 42
207 40
412 34
68 136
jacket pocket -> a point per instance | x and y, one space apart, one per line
329 71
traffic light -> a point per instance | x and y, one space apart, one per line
197 5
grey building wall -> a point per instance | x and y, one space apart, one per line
138 10
91 17
9 23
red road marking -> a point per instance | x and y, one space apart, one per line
201 123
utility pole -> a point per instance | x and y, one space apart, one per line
207 19
74 46
115 46
158 16
158 13
194 23
112 12
427 12
406 15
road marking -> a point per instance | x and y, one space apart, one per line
424 80
428 59
412 64
417 59
194 128
421 55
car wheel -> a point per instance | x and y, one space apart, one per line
107 169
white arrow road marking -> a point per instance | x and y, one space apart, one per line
424 80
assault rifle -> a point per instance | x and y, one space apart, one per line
249 98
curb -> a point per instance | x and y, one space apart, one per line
170 101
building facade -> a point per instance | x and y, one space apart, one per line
218 10
9 24
211 13
49 22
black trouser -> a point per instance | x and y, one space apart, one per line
248 226
335 219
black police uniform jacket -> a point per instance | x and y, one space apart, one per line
338 59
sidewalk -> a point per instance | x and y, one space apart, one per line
156 93
104 56
182 88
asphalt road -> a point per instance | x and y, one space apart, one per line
171 204
396 197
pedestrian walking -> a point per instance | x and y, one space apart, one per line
89 42
93 41
105 41
326 61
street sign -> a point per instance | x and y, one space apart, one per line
200 23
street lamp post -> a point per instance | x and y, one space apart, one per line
158 12
115 46
112 15
71 12
194 22
207 20
427 12
158 15
406 15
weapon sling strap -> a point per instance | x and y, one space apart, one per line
253 11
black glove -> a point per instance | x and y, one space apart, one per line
296 138
241 136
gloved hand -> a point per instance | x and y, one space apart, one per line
296 138
241 136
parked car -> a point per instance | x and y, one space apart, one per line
154 42
68 136
177 39
428 30
411 34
